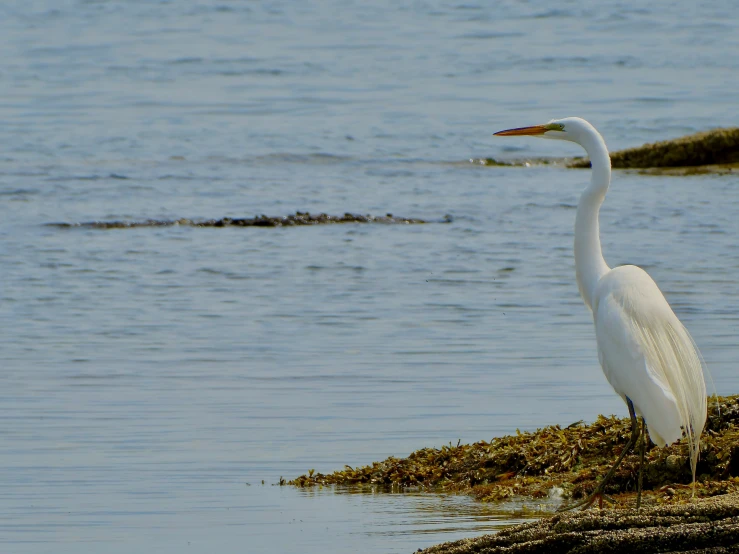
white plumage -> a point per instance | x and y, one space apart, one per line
648 356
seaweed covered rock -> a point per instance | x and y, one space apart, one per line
708 526
298 218
571 458
716 147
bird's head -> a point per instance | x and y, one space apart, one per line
570 128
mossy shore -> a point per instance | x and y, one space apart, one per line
568 461
572 459
718 147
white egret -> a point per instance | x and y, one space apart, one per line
647 355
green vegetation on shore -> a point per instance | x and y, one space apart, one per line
531 464
715 147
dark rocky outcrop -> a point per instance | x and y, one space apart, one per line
299 218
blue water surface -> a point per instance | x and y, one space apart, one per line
157 383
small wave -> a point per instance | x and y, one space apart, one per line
319 158
490 35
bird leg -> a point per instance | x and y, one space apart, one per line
599 492
643 447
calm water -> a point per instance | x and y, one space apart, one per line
153 378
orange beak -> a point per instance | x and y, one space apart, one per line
518 131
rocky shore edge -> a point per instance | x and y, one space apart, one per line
706 526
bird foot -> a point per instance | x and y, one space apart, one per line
586 503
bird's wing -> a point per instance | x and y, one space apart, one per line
649 356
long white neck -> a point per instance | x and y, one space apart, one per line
589 263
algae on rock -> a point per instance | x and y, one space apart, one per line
573 458
715 147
